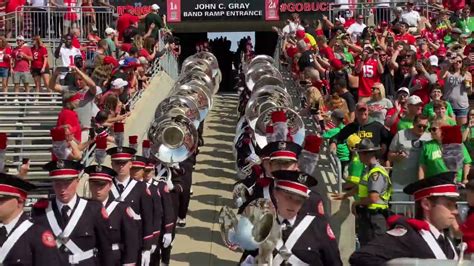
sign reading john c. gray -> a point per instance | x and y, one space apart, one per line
222 9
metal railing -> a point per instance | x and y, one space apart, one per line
53 22
376 12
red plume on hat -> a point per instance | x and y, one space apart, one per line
310 154
270 133
100 149
452 151
119 128
61 148
146 144
133 141
280 127
3 148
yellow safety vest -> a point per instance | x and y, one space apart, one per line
364 190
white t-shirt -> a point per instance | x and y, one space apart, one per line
292 28
68 54
411 18
355 30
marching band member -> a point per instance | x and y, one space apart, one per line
306 239
158 177
138 172
136 194
422 237
81 226
123 230
21 241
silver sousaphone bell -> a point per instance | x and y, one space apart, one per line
265 98
193 63
201 77
180 105
257 71
296 127
258 60
174 138
198 92
269 80
212 60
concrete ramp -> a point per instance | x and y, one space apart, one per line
200 243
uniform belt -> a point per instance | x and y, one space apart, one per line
76 258
115 247
363 210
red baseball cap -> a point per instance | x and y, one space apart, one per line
300 33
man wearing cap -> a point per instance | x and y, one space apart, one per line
410 16
164 233
22 57
369 69
81 226
374 131
154 18
414 108
305 239
135 193
398 111
137 172
374 191
117 87
123 230
278 155
111 39
21 241
422 237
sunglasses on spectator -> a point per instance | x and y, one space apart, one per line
458 61
433 129
421 126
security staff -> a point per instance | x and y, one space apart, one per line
136 194
374 192
123 230
21 241
81 226
422 237
157 174
305 239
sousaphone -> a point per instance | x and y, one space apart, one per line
258 71
265 98
174 138
180 105
296 127
198 92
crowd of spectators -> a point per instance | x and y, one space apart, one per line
397 83
96 77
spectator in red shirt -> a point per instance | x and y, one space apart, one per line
11 18
404 35
22 57
398 110
369 68
124 21
67 117
5 55
39 65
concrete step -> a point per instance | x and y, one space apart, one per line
30 146
28 138
43 118
31 107
28 154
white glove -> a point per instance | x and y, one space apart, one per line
253 158
167 240
146 254
169 184
153 248
175 166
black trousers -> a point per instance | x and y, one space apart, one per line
164 254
